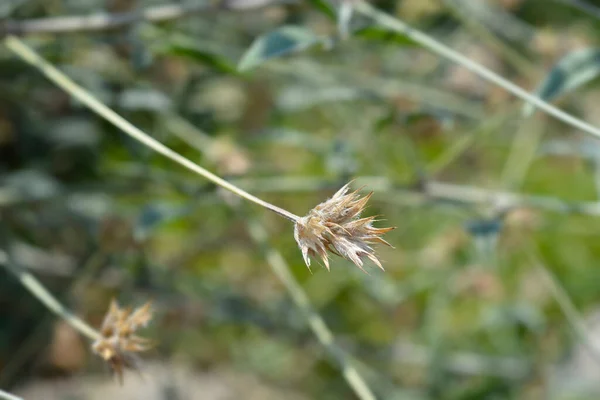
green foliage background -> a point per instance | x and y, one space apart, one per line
463 310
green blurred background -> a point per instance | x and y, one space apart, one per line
486 295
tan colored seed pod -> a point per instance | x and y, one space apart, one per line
335 225
119 343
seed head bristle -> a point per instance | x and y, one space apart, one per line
119 343
336 226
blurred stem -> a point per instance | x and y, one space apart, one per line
8 396
574 318
523 65
315 322
596 166
30 56
379 88
464 142
38 290
434 325
459 195
522 153
442 50
187 132
31 343
103 21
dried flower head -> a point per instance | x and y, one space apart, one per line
118 343
335 225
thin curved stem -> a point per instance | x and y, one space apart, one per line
433 45
69 86
8 396
39 291
458 10
574 318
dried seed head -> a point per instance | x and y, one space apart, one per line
335 225
118 343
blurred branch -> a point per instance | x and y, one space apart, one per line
464 363
458 9
8 396
358 84
501 199
461 145
430 190
497 19
316 323
106 21
41 261
68 85
524 148
574 318
38 290
440 49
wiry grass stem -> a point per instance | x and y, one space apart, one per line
574 318
464 15
18 47
39 291
7 396
440 49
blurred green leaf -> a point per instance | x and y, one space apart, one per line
375 33
325 8
195 53
283 41
572 71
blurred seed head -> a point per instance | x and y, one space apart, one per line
335 225
118 343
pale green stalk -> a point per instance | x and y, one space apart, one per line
512 56
315 322
462 144
523 151
68 85
435 46
38 290
574 318
8 396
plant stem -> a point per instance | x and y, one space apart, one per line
407 192
433 45
8 396
522 154
39 291
69 86
574 318
460 10
103 21
315 322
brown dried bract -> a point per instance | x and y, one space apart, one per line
335 225
119 343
